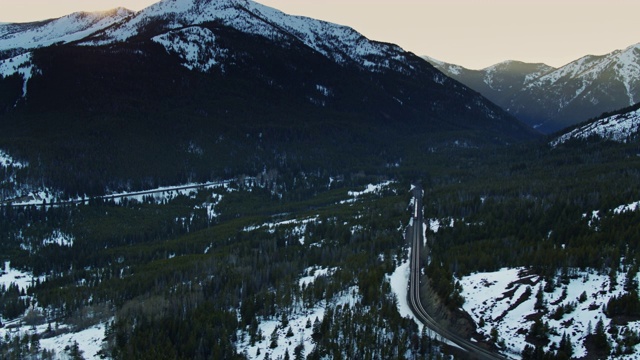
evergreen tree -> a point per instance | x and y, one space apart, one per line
298 352
274 339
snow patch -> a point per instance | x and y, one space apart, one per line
59 238
370 189
312 273
6 161
196 47
89 342
297 228
627 208
23 280
20 65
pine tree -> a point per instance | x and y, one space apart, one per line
565 349
75 353
600 337
274 339
539 305
298 352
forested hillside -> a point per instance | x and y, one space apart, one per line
231 88
229 261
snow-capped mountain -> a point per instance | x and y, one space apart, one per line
620 128
338 43
234 86
24 36
551 99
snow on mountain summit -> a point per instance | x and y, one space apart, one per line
550 99
65 29
623 65
337 42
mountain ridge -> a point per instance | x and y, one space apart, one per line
551 98
240 89
621 126
20 37
344 44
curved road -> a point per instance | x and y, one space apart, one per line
415 234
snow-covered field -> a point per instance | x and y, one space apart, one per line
10 276
504 300
294 227
89 340
300 320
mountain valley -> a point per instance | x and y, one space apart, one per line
219 180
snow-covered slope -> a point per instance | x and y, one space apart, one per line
619 67
516 307
506 302
20 64
339 43
620 128
195 46
65 29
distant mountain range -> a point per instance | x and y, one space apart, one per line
551 99
199 89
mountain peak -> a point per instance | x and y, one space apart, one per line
65 29
515 65
336 42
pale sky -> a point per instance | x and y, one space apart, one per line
471 33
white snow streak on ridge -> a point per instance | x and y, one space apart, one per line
195 45
617 128
20 64
629 64
624 208
297 227
371 189
6 160
65 29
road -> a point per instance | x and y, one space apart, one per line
120 196
415 303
